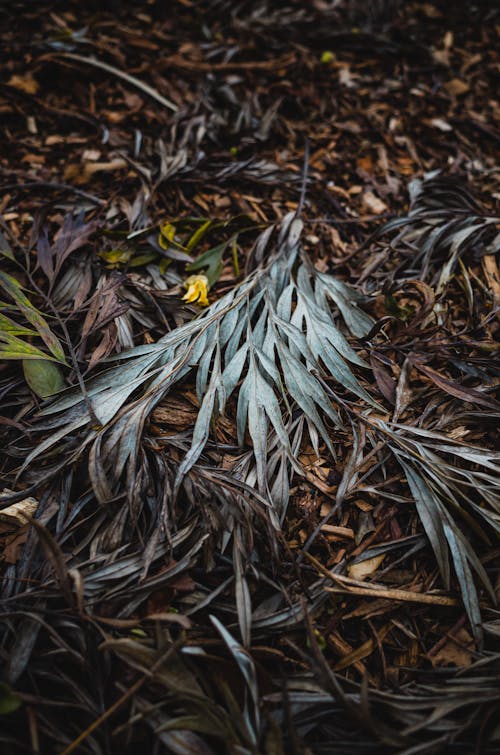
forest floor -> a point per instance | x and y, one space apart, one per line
337 595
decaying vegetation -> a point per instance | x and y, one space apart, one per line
248 331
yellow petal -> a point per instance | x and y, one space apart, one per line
166 235
197 290
191 295
168 230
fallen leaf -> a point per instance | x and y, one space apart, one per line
448 40
456 87
429 10
490 269
26 83
33 159
363 569
82 174
91 155
457 651
333 532
13 543
327 56
365 163
346 77
54 139
9 701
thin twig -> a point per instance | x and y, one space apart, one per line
303 188
403 595
132 80
121 700
55 187
346 585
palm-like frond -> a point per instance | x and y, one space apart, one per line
410 718
444 223
266 344
456 488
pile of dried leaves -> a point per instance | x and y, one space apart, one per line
248 325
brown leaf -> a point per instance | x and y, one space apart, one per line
12 547
385 381
81 174
26 83
363 569
456 87
457 651
490 269
454 389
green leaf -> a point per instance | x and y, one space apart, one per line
9 701
198 235
14 289
14 348
210 262
43 377
9 326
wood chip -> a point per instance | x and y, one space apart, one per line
372 203
18 513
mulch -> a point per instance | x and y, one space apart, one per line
189 624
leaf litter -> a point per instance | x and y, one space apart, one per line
263 505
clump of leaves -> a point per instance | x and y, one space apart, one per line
272 350
454 484
270 343
178 239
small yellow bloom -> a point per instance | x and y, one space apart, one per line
327 57
197 290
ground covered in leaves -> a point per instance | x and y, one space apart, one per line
275 530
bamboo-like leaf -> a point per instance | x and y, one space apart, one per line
5 248
7 325
444 223
358 322
12 287
243 600
430 511
200 433
15 348
438 488
246 667
464 575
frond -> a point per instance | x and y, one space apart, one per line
444 224
456 490
268 346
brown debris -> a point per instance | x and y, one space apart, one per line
135 139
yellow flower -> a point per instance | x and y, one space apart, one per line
197 290
327 57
